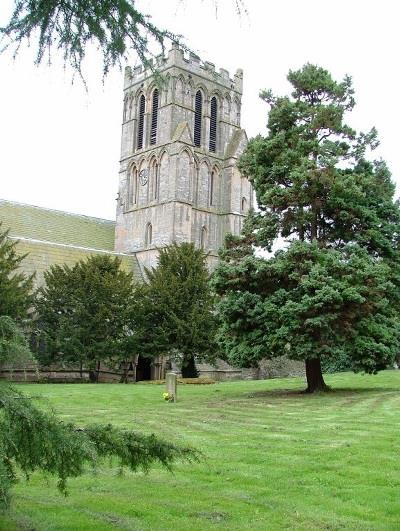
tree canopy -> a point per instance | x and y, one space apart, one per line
32 439
176 309
334 288
84 313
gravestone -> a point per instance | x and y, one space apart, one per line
170 383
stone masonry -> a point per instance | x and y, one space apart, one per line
172 187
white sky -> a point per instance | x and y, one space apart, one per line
59 145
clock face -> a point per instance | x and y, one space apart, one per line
143 176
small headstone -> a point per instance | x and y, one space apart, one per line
170 383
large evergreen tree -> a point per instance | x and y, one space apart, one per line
334 289
84 313
32 439
176 308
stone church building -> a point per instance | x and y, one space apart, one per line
178 179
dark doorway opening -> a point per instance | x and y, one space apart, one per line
143 369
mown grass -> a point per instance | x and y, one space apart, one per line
274 458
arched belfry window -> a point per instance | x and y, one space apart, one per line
244 204
213 124
203 238
148 237
141 109
198 109
154 117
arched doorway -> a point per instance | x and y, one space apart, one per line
143 369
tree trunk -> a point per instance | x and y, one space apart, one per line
315 380
189 367
124 377
94 373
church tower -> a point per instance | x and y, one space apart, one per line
181 139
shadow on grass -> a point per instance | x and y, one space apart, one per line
333 391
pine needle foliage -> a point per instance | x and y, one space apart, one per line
15 286
31 439
115 27
14 348
85 312
176 307
333 292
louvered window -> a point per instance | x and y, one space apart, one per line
140 122
198 107
213 125
154 116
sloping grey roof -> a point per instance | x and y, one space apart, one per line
50 237
48 225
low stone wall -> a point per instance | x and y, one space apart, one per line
56 375
281 367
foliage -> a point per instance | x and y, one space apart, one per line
185 381
314 449
115 27
309 301
333 290
176 307
14 348
31 440
15 286
84 313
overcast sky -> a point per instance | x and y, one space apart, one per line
59 144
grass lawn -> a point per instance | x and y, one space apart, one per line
274 458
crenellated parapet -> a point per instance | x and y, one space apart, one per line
191 62
181 139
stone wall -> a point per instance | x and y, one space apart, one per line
183 191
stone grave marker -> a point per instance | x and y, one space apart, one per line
170 383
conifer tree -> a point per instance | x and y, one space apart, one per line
32 439
334 289
84 313
176 308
